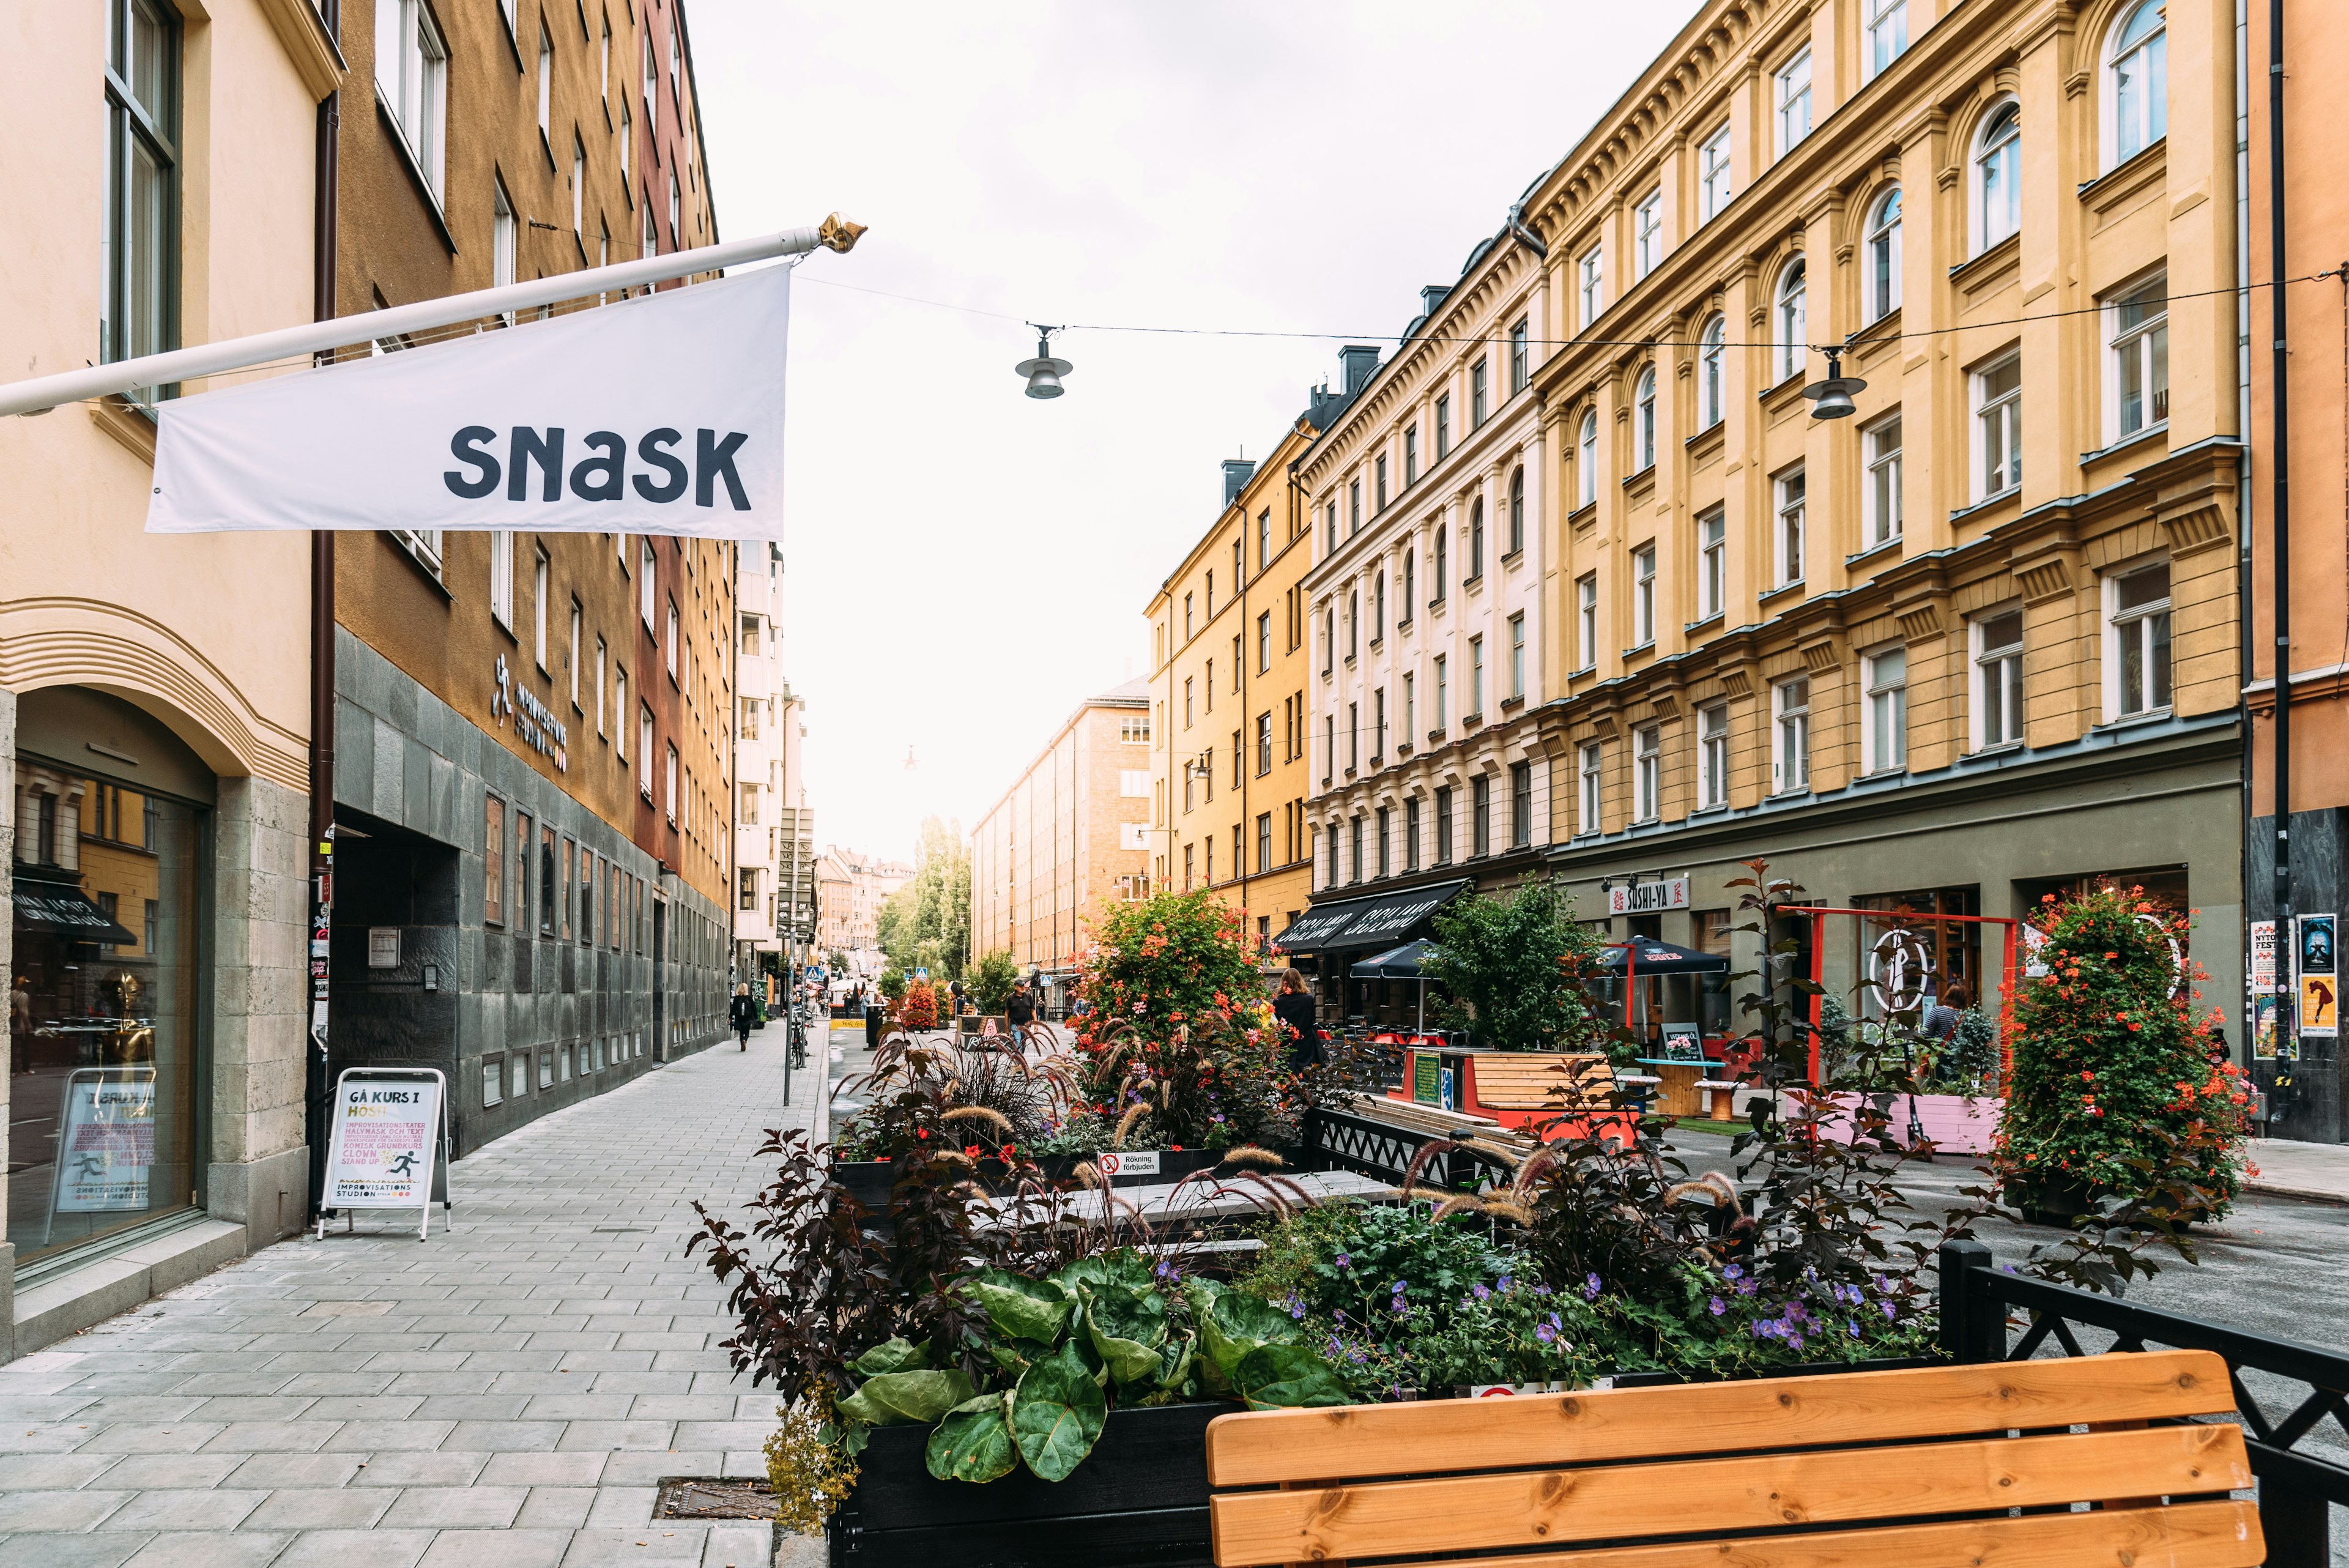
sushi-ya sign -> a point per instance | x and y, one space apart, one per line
1644 897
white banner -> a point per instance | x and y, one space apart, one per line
662 414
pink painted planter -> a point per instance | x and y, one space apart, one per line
1956 1124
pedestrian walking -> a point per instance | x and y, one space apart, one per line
954 994
743 1013
1294 1007
1019 1012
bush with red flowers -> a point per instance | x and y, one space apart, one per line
2114 1093
919 1009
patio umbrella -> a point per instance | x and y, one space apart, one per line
1406 962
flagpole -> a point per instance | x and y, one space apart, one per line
41 394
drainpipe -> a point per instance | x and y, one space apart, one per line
322 671
2280 519
2245 462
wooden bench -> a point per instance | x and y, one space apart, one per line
1912 1468
1539 1081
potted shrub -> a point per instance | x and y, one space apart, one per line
918 1010
2114 1104
992 981
1511 972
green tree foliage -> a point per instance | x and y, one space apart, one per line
925 924
1510 964
992 980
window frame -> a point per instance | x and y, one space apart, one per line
1643 421
1790 98
1591 796
1587 620
1880 281
2147 340
1875 59
1647 233
416 100
1643 594
1587 459
1884 711
1517 625
1790 523
1590 284
1997 679
1715 175
1996 149
1517 505
1520 362
1712 386
1881 473
1647 773
2153 118
1712 563
1521 804
2155 616
501 555
2005 410
1790 315
1790 738
1712 755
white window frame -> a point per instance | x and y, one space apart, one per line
1712 755
1443 688
1884 713
502 239
1712 563
620 711
1586 461
1518 657
2143 346
538 608
1644 419
1790 529
2130 128
1791 313
501 549
1713 390
1647 233
545 83
578 186
1587 621
1590 272
1476 675
412 78
1997 679
1994 175
1884 37
1790 747
669 780
1997 424
1880 283
2148 628
1591 796
1881 491
1648 773
1791 98
1714 182
573 661
628 135
1643 596
645 751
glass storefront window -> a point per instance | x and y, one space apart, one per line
102 1007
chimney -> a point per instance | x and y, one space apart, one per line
1237 470
1361 362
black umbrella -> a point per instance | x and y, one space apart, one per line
1645 955
1406 962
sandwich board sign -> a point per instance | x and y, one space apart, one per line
388 1140
106 1152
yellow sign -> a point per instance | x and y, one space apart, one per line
2320 1004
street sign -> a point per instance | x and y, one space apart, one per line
1127 1162
389 1136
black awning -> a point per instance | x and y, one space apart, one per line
53 905
1645 955
1380 920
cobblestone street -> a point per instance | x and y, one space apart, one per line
509 1393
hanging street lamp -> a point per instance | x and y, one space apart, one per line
1831 398
1043 372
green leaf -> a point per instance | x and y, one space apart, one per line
1281 1376
1006 1359
1128 1360
1174 1363
1057 1412
896 1398
1032 1310
1128 1313
973 1443
1232 1325
1123 1267
897 1356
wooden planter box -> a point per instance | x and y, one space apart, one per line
1139 1500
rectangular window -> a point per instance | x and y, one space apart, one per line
545 80
1647 234
644 596
1520 365
1328 748
578 184
2138 321
1888 33
1410 834
1410 706
502 553
670 798
671 643
1647 771
1586 621
523 873
1263 743
1590 272
538 608
1361 831
1477 676
1711 564
1385 868
1480 815
1998 427
1409 456
1712 188
1881 448
1378 726
1518 657
493 1072
550 891
1793 491
2138 667
644 752
493 862
1378 469
1886 739
1589 799
1477 397
1790 762
586 897
602 654
1521 804
571 655
1263 841
563 929
1353 736
1441 693
140 243
1998 678
1712 754
1792 96
1643 596
1443 426
1353 507
412 78
1444 825
1190 704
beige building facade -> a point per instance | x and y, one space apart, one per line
154 692
1069 839
1978 641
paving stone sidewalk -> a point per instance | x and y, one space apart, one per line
509 1393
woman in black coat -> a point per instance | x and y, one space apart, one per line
1294 1007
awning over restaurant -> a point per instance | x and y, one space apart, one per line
53 904
1645 955
1380 920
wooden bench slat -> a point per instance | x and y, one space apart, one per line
2188 1536
1759 1491
1260 1447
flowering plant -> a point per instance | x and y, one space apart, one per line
2114 1085
919 1009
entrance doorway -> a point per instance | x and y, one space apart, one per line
660 981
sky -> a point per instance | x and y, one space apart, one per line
963 565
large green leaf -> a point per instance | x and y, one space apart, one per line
1124 1266
1129 1360
1232 1325
1033 1310
895 1398
1057 1412
1174 1363
1280 1377
974 1442
898 1355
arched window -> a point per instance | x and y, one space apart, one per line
1516 510
1997 176
1379 611
1587 464
1793 320
2136 83
1881 286
1476 540
1410 581
1709 362
1646 400
1443 558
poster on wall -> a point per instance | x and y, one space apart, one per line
2263 958
2316 960
386 1134
2264 1018
106 1149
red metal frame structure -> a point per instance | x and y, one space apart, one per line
1820 955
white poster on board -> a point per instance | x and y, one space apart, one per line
383 1141
106 1152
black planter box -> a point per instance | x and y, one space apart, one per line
869 1180
1139 1500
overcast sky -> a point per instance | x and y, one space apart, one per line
964 563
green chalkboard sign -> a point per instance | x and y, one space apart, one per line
1426 1079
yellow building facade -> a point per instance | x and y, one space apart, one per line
1228 698
1978 641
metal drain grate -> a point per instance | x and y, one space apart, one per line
706 1497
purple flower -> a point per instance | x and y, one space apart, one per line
1733 1272
1591 1287
1715 1307
1852 1326
1344 1261
1541 1290
1556 1321
1480 1293
1544 1333
1889 1310
1337 1317
1398 1287
1501 1283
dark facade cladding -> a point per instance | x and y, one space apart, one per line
594 964
2312 1100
